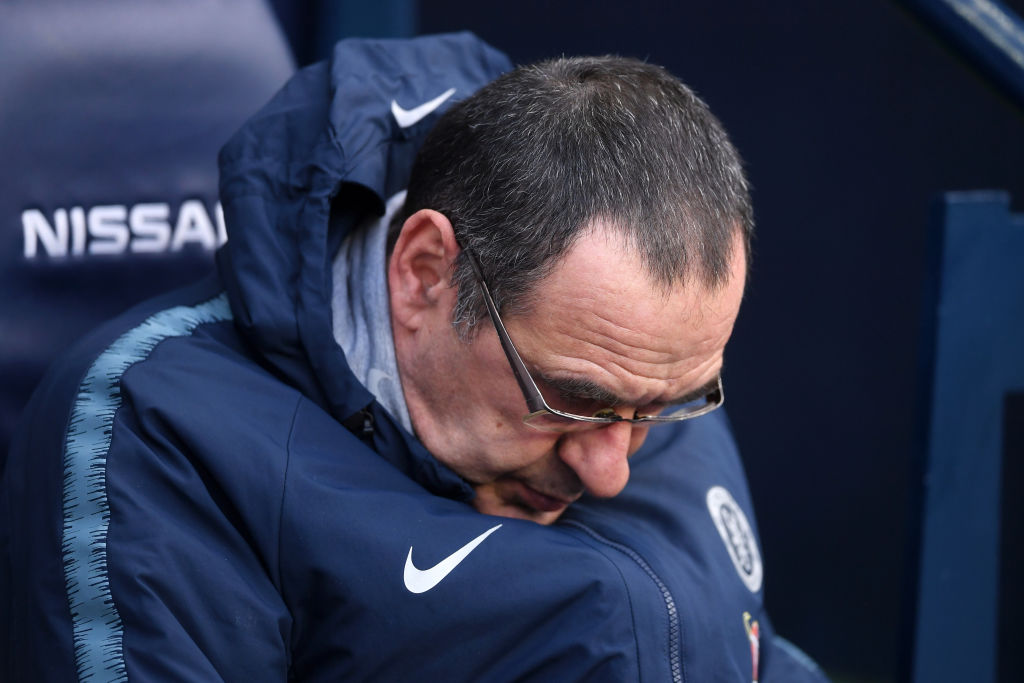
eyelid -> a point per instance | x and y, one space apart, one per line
586 404
563 388
651 408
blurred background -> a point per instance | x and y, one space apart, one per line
853 118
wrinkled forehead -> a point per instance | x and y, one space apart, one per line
599 317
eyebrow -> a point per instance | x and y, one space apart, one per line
588 390
582 389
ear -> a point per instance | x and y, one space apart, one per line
420 269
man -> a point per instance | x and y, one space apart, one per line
281 473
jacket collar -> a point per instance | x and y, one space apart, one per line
318 159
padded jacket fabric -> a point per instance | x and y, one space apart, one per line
201 490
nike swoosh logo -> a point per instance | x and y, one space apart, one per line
409 117
422 580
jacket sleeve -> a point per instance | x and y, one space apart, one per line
142 532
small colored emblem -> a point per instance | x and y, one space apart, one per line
754 636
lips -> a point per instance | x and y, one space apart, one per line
536 500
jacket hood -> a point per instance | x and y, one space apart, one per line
323 155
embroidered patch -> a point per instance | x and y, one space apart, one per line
737 536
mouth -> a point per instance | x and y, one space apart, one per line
542 502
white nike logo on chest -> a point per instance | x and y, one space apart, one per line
422 580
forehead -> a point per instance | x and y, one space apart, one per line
598 317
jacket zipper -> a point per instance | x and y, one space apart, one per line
674 627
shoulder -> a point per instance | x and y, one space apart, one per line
117 456
687 519
159 405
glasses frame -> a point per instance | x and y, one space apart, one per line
535 402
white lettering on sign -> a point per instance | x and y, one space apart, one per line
118 228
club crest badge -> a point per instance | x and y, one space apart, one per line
753 630
737 536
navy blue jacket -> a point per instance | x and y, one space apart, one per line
201 490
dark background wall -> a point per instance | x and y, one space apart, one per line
851 118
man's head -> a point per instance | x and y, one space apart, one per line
611 219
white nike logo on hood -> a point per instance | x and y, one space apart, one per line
409 117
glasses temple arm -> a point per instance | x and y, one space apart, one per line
534 399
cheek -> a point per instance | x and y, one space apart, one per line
505 446
525 450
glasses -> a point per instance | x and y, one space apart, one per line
544 417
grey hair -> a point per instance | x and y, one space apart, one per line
529 162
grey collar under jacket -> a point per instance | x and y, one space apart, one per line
362 312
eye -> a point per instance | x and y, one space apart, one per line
563 399
650 410
605 412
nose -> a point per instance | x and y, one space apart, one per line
599 457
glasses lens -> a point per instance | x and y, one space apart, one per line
690 409
698 407
568 422
549 422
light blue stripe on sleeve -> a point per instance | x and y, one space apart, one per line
98 631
